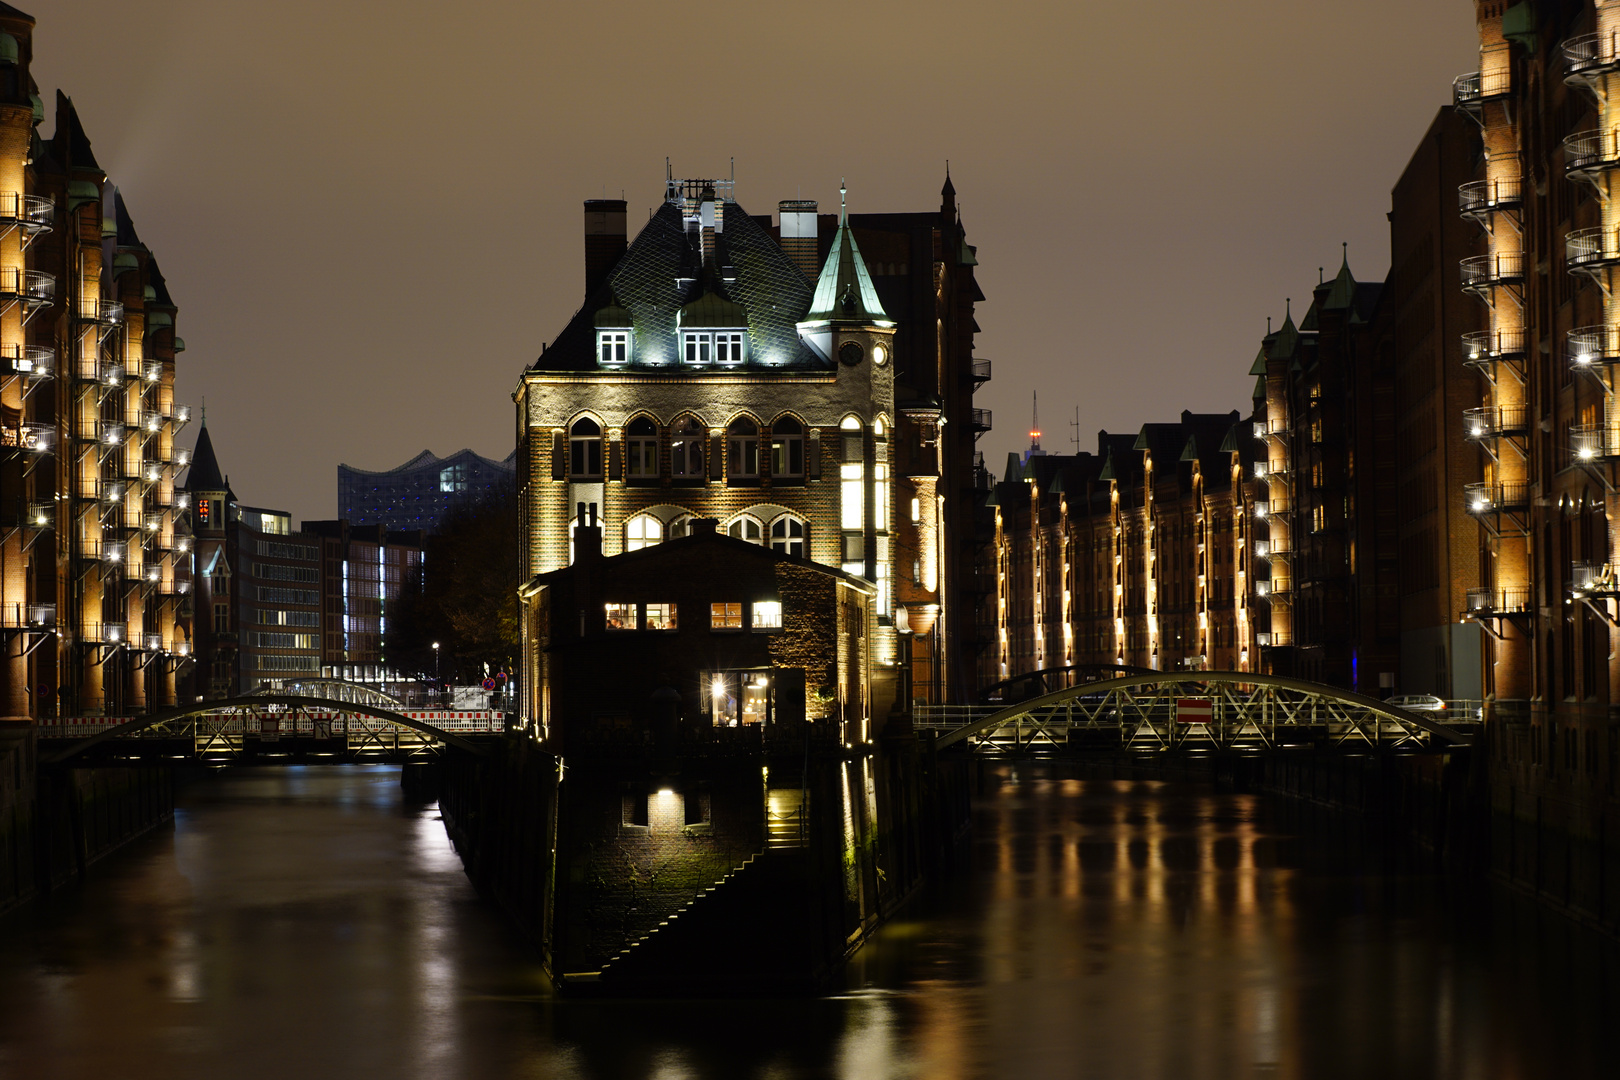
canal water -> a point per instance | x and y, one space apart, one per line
310 923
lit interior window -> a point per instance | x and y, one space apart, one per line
767 615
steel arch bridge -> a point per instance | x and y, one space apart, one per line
1195 710
284 727
340 690
1044 680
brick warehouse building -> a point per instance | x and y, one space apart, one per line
769 377
93 603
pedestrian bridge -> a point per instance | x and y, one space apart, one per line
1193 711
269 729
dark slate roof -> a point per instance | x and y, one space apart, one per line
204 474
71 133
661 272
11 12
154 278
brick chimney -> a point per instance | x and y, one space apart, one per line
604 239
799 233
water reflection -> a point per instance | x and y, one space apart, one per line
311 923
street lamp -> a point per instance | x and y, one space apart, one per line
436 689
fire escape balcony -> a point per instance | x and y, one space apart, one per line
31 362
1484 349
1479 199
1593 443
1589 57
1470 92
1488 602
32 213
1276 504
1590 346
978 421
33 288
1592 251
1481 274
979 372
1503 496
1493 422
33 439
104 313
1592 580
1589 155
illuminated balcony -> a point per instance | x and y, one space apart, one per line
1273 639
40 515
34 287
1510 601
1484 349
1503 496
93 309
1590 346
94 369
1495 421
1470 92
1589 154
27 438
42 615
1591 251
1483 273
1592 443
29 361
1588 57
1272 507
32 212
106 633
1479 199
1592 579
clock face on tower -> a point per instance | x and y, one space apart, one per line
850 353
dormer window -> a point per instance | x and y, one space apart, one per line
613 346
697 347
700 347
728 348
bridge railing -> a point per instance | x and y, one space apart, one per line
313 723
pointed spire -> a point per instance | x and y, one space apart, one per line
204 475
1035 424
1343 293
947 196
844 290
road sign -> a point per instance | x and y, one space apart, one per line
1195 710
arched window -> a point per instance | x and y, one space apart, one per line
678 526
788 535
641 450
746 528
742 462
585 449
686 449
641 531
787 449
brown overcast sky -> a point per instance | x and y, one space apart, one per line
369 213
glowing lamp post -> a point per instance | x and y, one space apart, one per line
436 689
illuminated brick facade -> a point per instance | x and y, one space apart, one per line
93 600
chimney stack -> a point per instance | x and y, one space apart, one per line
799 233
604 239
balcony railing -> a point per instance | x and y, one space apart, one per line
1494 421
34 286
979 420
1488 346
93 309
1594 442
1493 498
1272 507
1592 249
1590 345
33 212
1480 197
1470 91
1273 639
28 438
1509 601
99 370
29 361
107 633
1587 153
1480 272
1587 578
979 372
1589 55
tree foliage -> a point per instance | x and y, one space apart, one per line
465 596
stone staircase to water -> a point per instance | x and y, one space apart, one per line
751 929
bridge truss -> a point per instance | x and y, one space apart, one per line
261 727
1195 710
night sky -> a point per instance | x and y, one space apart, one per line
369 214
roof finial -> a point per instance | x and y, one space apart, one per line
1346 245
1288 307
1268 326
1319 272
204 412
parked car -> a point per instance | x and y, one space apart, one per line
1417 703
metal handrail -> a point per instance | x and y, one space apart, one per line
32 361
979 419
1488 498
33 211
1475 86
980 371
1511 601
30 438
1593 344
1482 346
1479 195
1585 151
96 310
1484 270
34 285
1595 246
1492 420
1589 53
1594 442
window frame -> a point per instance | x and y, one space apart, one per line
629 618
618 341
584 449
687 439
641 464
754 623
742 450
785 447
787 540
729 614
636 543
649 615
746 520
